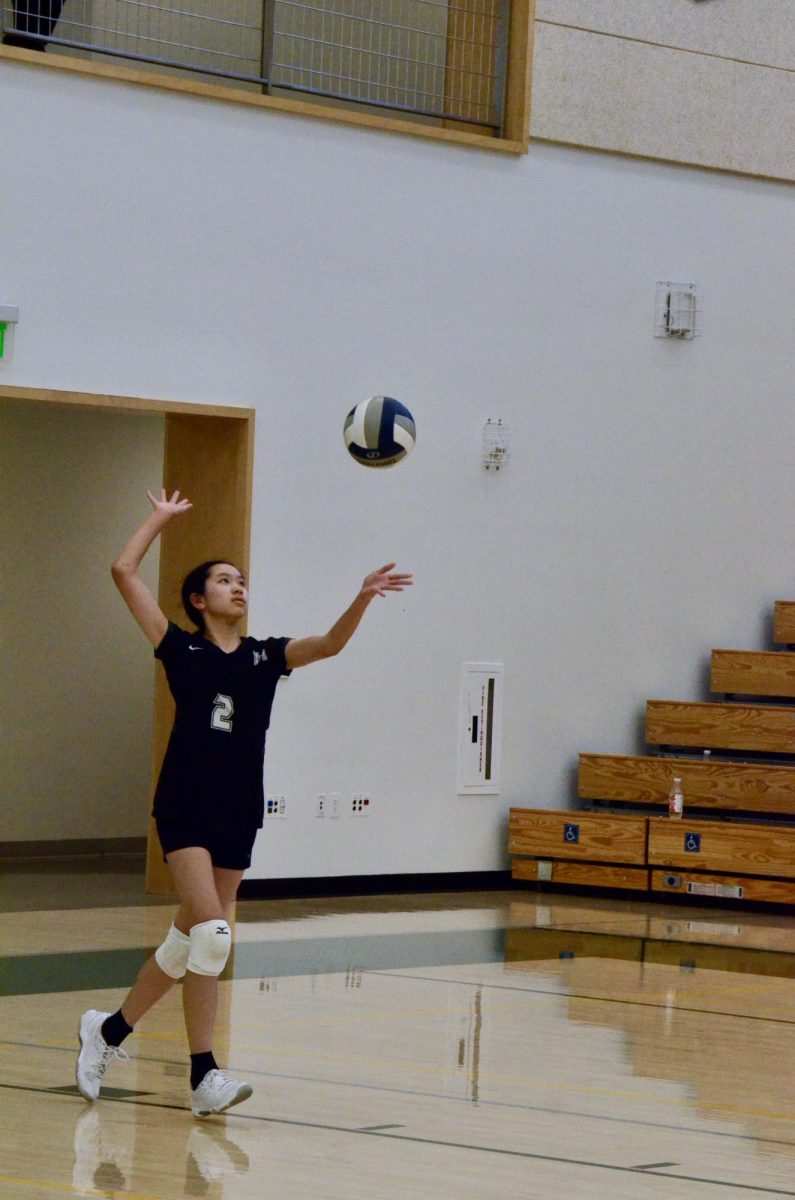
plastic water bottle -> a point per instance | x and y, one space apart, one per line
676 800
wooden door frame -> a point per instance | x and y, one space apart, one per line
223 503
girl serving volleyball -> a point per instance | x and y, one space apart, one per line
209 800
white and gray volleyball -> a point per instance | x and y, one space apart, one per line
379 432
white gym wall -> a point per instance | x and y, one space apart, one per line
170 247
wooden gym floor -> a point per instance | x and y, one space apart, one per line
491 1046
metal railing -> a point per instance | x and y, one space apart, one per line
443 59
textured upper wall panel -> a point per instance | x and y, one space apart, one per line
756 31
610 93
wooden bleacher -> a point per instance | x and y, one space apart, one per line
736 760
784 623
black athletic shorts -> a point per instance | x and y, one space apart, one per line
229 848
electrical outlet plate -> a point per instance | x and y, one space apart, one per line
321 805
361 804
335 804
275 806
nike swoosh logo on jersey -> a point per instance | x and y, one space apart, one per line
195 647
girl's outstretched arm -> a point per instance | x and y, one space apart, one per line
137 596
302 651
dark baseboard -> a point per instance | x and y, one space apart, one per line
373 885
73 848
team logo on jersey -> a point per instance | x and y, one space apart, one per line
259 656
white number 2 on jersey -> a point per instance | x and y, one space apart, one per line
222 713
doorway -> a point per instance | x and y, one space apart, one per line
208 454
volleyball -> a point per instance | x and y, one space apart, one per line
379 432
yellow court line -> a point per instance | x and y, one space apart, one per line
73 1191
162 1035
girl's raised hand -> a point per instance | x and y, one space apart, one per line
170 507
384 580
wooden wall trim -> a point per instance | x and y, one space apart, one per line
210 460
195 435
520 72
126 403
229 95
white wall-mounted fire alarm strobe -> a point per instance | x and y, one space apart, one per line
496 444
675 310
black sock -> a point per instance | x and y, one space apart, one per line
200 1064
115 1029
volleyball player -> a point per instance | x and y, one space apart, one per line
209 800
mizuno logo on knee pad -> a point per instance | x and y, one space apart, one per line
210 944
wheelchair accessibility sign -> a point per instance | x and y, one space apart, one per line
571 834
693 843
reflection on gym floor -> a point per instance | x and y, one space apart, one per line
105 1145
481 1045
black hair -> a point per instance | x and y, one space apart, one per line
194 581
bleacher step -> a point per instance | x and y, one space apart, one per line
784 623
753 672
758 727
722 847
707 783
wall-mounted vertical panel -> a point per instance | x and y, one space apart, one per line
480 729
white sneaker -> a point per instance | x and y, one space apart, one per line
95 1054
216 1093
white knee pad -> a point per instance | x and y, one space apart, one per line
172 956
210 944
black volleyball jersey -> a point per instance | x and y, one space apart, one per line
214 761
